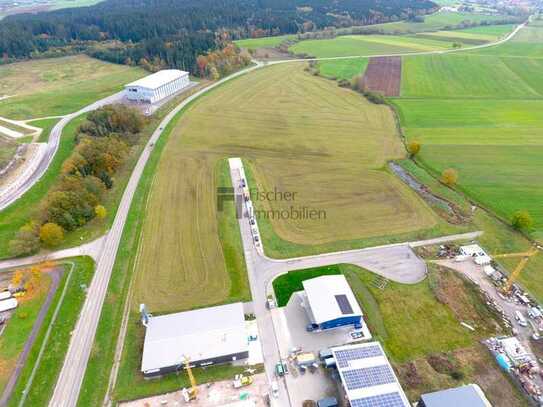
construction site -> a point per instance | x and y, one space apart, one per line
248 392
520 312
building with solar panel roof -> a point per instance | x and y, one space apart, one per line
367 376
330 303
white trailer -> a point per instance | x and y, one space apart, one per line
4 295
7 305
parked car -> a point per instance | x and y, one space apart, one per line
280 369
520 319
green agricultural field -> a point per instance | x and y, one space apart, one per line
342 68
58 86
366 45
495 31
464 75
434 22
528 42
467 38
265 42
298 133
481 114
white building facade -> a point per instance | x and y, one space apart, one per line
157 86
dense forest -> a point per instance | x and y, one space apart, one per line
174 32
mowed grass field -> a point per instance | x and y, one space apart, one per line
366 45
436 21
342 68
481 114
264 42
58 86
298 133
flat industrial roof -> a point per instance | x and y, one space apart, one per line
368 377
330 297
199 335
469 395
158 79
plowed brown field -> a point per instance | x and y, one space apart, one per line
384 75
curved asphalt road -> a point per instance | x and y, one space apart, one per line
67 389
18 188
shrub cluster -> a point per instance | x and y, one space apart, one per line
103 143
222 62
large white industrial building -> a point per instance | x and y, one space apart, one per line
157 86
204 336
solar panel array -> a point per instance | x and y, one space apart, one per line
344 304
381 400
343 357
368 377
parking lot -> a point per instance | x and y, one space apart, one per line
290 324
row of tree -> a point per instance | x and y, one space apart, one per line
103 143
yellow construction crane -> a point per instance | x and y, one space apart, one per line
190 394
520 266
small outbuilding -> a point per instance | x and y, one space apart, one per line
329 302
204 336
469 395
157 86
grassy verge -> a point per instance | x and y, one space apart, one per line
18 329
46 125
276 247
44 381
230 237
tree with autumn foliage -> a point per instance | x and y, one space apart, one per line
51 234
449 177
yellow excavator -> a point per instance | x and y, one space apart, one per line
192 392
520 266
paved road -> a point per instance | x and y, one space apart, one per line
92 249
71 376
16 189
